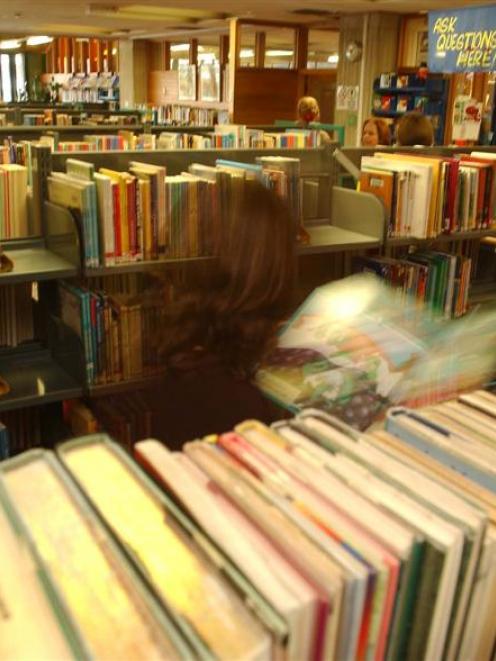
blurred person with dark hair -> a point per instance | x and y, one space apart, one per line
215 336
375 132
308 112
415 129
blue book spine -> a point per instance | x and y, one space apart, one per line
86 328
4 442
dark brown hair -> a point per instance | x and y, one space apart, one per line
414 128
233 311
382 130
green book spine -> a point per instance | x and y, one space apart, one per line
429 582
404 607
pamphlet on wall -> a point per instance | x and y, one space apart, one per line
467 118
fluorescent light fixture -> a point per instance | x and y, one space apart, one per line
10 44
333 59
441 54
114 51
38 40
179 48
246 52
279 53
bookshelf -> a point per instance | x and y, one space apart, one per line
35 378
341 222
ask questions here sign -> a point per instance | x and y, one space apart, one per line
462 40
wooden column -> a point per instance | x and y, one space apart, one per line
301 47
260 50
223 61
167 56
378 34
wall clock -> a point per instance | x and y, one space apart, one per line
353 51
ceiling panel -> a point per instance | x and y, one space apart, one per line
151 16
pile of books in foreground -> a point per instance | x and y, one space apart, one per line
305 541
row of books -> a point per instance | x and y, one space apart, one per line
425 196
16 318
20 430
119 333
143 214
184 115
392 553
440 280
127 418
13 201
399 102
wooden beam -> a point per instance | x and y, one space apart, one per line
167 56
224 49
301 48
193 51
260 50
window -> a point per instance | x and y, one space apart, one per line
20 75
13 76
6 78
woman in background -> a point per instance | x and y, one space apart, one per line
375 132
215 337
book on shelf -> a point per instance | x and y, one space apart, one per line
143 214
21 430
439 280
118 332
75 571
14 223
392 554
432 195
16 319
4 442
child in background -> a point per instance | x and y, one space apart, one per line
375 132
308 112
415 130
215 337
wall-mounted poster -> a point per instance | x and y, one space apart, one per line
467 118
209 87
422 48
187 82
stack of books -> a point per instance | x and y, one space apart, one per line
425 196
13 201
440 280
119 333
16 319
392 553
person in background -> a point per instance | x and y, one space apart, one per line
214 338
375 132
308 111
414 130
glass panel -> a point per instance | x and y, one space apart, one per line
247 47
20 74
323 48
179 55
279 48
6 80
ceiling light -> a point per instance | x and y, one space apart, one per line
333 59
279 53
10 44
38 40
178 48
246 52
441 54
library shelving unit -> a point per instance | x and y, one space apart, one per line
32 371
427 96
336 219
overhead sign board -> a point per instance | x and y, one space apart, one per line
462 40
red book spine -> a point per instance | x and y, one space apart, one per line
117 221
131 217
